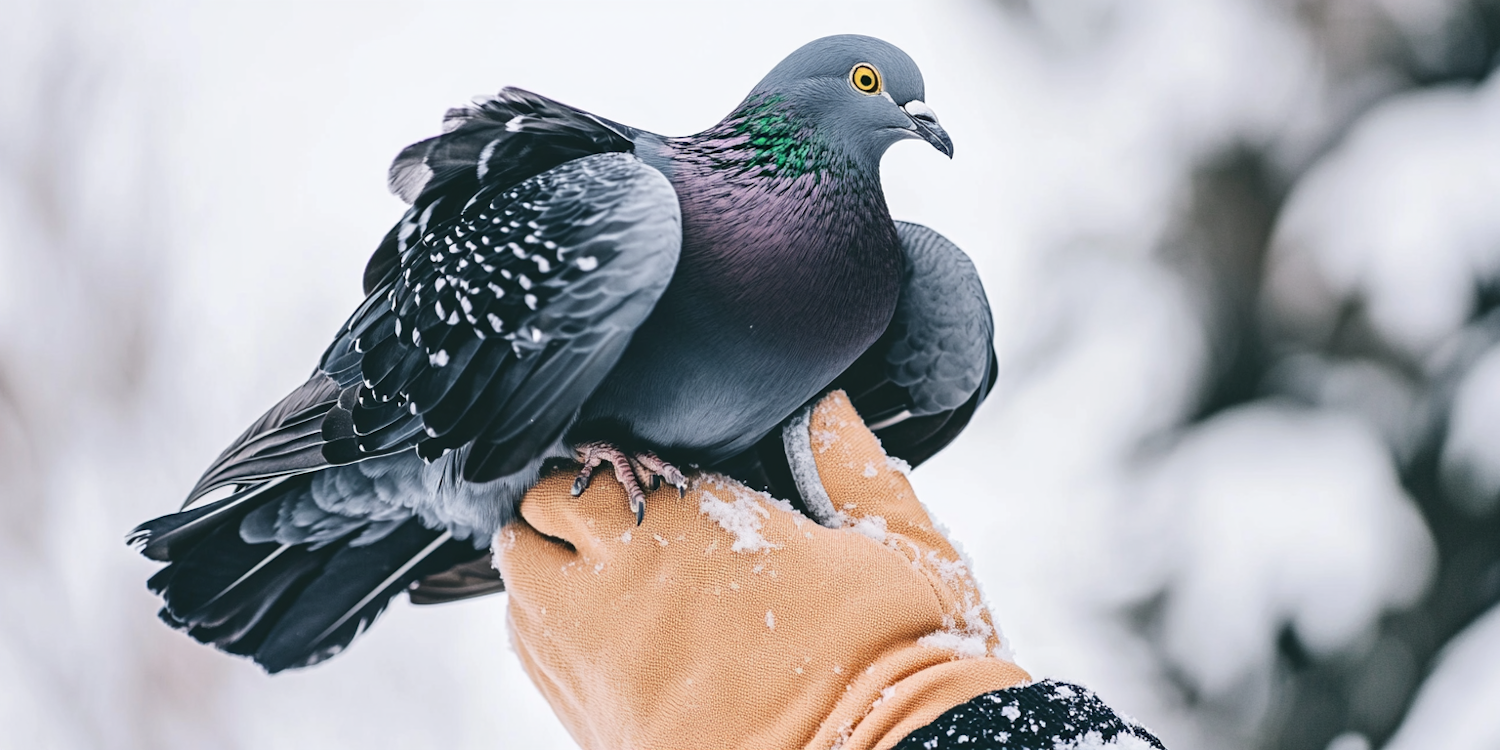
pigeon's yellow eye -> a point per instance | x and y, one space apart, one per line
864 78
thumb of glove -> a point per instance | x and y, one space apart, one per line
847 480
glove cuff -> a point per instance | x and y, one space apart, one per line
907 691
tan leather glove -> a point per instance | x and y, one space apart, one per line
729 620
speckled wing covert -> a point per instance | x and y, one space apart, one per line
488 149
497 141
501 322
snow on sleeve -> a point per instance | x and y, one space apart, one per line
1282 516
1095 741
1401 216
1455 708
1048 714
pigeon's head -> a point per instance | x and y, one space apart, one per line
857 91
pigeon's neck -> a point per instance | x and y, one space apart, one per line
766 138
785 235
765 185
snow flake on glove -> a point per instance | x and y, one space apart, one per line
742 515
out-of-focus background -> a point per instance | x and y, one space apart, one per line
1241 474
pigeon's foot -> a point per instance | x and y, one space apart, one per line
636 471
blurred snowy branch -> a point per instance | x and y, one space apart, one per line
81 257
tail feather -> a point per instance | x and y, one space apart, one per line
211 570
239 623
352 590
169 536
284 605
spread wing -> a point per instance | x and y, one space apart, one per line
921 382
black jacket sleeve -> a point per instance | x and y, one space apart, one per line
1040 716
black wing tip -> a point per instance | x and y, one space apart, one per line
319 603
208 638
277 662
139 539
288 645
152 538
139 536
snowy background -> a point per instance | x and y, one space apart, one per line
1241 476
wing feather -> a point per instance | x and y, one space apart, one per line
535 245
521 305
499 140
921 382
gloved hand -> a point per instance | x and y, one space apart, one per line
729 620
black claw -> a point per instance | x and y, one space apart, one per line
580 484
654 484
640 513
681 491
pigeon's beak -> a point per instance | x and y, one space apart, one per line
925 123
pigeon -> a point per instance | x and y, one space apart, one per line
567 288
